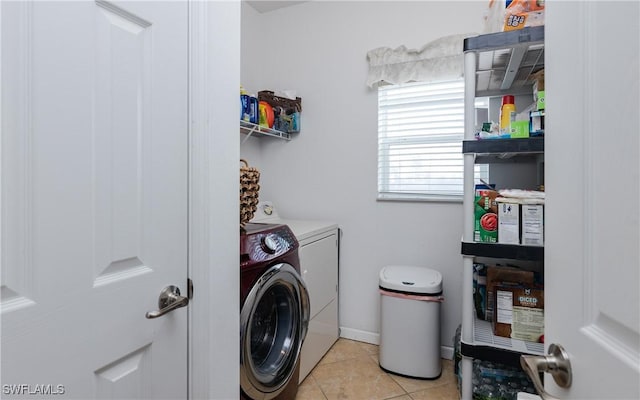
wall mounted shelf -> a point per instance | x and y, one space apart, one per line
251 129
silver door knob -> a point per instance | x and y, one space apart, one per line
168 301
556 363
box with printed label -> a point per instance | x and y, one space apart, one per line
501 275
508 221
536 123
519 312
485 215
532 224
540 100
519 129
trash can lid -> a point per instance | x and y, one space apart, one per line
411 279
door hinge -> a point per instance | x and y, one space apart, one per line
189 288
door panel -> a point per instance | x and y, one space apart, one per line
94 196
122 94
129 377
592 218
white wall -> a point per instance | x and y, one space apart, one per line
328 171
250 76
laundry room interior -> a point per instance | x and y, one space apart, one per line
326 169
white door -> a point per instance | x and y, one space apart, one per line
592 155
94 198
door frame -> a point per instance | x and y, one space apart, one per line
214 153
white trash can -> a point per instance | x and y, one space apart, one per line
410 300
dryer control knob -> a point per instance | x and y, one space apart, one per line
270 244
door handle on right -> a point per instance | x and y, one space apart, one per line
555 363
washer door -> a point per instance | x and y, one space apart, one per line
273 324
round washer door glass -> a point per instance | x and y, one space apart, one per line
273 321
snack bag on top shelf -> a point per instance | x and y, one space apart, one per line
523 13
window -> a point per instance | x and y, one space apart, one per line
420 132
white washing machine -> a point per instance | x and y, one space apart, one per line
319 244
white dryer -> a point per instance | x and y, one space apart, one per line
319 246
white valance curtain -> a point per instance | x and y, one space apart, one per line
439 60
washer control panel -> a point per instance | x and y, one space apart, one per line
262 242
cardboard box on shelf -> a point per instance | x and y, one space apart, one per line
485 215
508 221
538 90
536 123
539 97
532 224
519 312
538 80
498 275
519 129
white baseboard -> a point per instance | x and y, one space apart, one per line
360 336
374 338
446 352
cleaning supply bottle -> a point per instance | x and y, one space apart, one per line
507 113
244 105
254 111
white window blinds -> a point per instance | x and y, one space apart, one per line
420 132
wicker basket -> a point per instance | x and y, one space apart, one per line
249 188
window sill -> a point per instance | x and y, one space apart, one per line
412 198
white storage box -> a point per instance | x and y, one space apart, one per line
508 220
533 224
410 321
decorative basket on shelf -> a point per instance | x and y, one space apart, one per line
249 189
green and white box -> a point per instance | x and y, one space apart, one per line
519 129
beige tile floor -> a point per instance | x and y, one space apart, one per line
350 371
